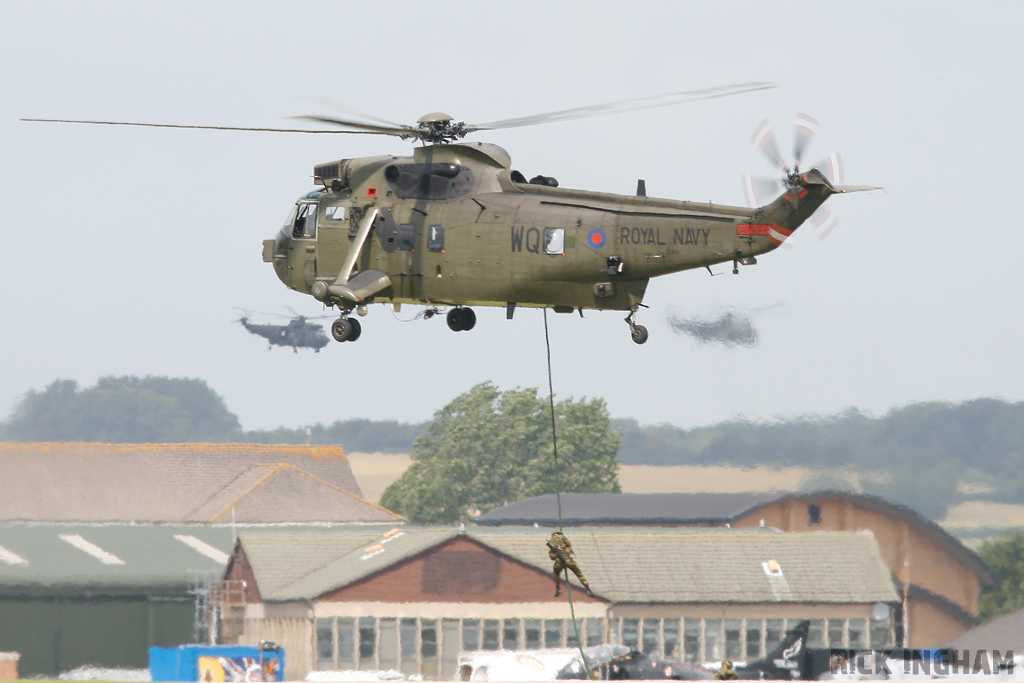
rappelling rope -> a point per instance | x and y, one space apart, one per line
558 493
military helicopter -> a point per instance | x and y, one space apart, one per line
454 225
296 333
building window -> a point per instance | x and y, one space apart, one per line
595 632
325 644
753 649
346 643
816 634
492 638
733 639
367 643
408 632
552 633
881 633
532 629
835 633
630 633
670 631
857 633
712 640
814 514
450 642
510 635
470 634
691 640
387 648
773 633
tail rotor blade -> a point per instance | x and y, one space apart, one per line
806 129
824 220
764 140
760 190
832 167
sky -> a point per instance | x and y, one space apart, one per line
129 251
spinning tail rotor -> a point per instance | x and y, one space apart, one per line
762 190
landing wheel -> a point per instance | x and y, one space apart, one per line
346 329
461 319
637 332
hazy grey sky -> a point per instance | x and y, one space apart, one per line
126 250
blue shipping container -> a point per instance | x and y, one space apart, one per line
219 663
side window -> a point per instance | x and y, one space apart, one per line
435 238
554 241
334 214
305 222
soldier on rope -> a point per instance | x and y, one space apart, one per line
560 551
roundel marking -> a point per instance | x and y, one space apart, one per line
596 238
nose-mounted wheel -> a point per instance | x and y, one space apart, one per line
638 333
346 329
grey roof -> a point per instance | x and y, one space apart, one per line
1002 633
108 558
638 564
175 483
708 508
627 508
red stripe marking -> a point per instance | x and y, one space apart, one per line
753 229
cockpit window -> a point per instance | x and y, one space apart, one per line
429 181
305 222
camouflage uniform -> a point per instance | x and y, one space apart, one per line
560 551
726 673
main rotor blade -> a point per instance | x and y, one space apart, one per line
402 131
179 125
648 102
345 107
806 129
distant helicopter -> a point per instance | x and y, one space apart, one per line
296 333
456 226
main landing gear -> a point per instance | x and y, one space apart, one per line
461 319
637 332
346 329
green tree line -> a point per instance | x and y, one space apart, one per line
916 455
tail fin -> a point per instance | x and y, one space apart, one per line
788 660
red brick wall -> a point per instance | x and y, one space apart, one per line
239 569
460 570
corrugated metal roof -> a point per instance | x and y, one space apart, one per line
631 508
639 564
108 558
174 483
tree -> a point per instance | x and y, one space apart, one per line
1005 557
489 448
124 410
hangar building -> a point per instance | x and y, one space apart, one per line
411 598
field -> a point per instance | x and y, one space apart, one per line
375 471
971 521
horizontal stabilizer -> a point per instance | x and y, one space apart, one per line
855 188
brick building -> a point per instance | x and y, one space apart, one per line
939 579
412 598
